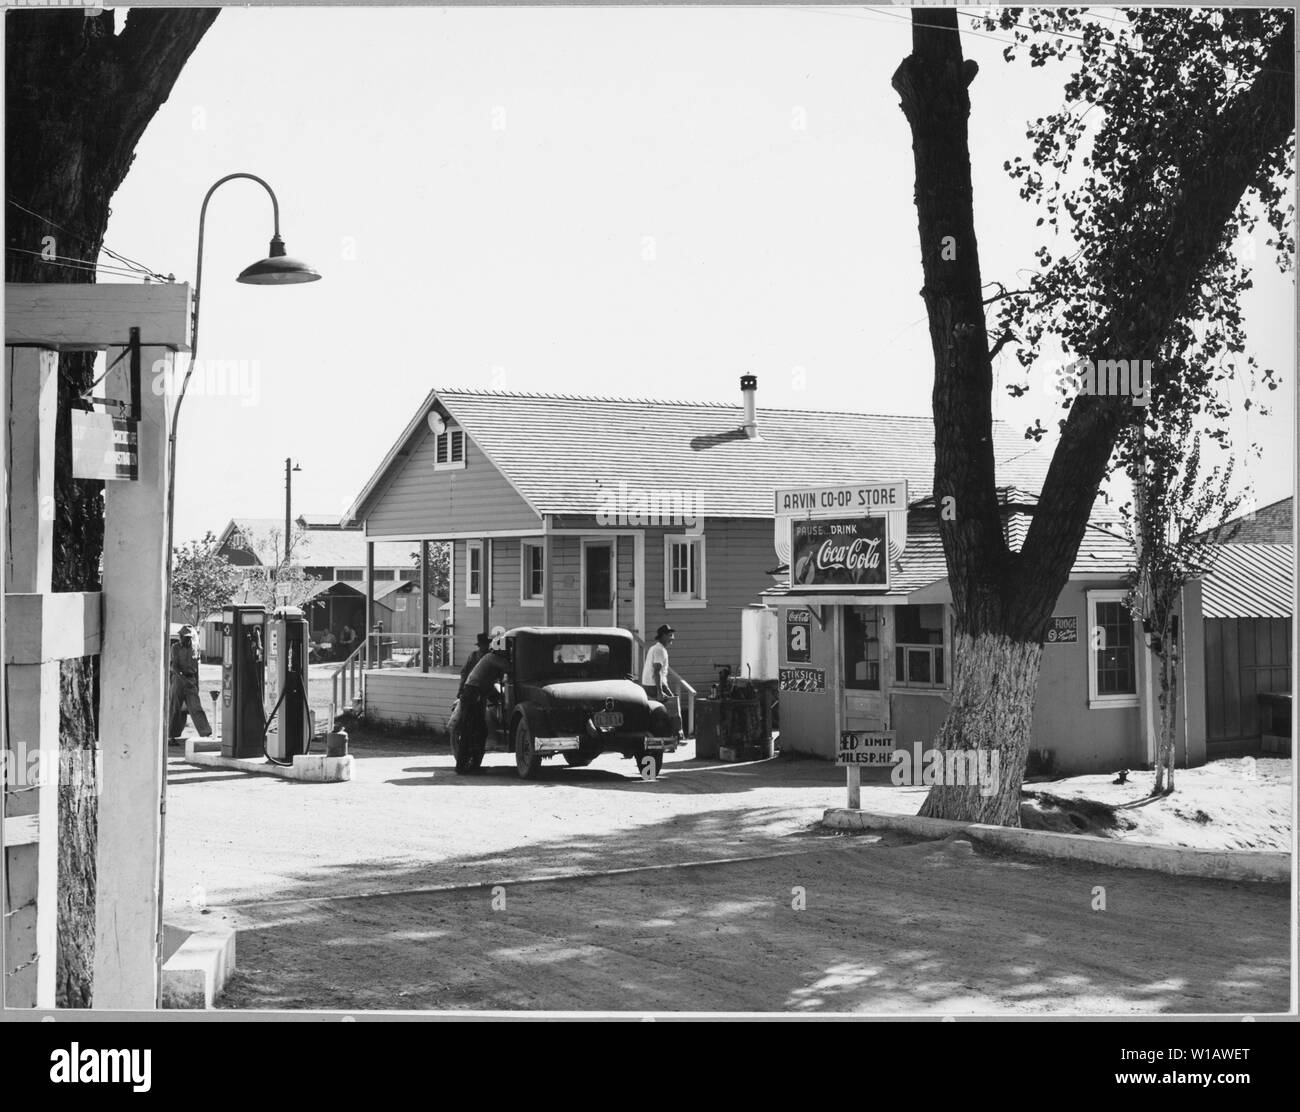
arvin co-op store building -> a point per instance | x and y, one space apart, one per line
865 633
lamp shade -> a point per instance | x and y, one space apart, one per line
278 269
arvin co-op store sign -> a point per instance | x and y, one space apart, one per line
841 538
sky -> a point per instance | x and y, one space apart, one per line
627 202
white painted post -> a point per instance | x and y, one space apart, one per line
32 699
133 710
855 788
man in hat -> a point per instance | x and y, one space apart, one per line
185 687
483 641
479 686
654 673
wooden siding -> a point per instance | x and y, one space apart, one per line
400 695
1244 658
419 501
566 579
505 607
738 554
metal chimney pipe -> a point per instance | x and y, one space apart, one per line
748 391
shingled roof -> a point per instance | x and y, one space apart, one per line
564 453
327 546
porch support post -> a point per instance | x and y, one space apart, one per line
370 599
485 584
133 714
547 571
424 606
32 686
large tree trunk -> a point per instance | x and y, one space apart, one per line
77 100
1004 600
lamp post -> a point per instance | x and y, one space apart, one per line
277 269
288 506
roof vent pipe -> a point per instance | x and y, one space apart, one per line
748 391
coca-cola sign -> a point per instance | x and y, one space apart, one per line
839 553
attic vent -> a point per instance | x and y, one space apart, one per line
449 448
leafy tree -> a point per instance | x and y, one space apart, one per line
203 580
278 581
78 96
438 573
1176 128
1173 501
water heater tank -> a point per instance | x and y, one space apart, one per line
758 645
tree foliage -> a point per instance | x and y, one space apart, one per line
1130 176
278 580
203 580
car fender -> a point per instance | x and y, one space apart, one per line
535 717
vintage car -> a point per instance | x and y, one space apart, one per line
567 690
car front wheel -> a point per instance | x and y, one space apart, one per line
527 760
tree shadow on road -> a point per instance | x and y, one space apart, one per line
842 925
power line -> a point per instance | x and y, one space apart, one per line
86 239
87 265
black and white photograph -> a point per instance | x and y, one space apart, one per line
650 512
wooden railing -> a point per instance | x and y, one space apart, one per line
347 684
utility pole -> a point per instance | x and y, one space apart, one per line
288 506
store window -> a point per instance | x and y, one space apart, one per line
474 573
683 571
862 648
920 640
1112 662
532 586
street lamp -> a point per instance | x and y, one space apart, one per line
276 269
288 506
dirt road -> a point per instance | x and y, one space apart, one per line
841 925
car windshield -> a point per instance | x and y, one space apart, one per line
572 658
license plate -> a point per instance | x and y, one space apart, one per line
655 742
607 719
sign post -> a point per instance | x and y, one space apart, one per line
872 748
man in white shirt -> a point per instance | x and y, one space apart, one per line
654 673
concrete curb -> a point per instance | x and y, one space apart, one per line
194 975
313 768
1256 865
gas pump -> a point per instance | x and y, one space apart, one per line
242 661
288 717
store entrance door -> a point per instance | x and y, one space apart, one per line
865 699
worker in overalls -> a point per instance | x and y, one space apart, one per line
184 696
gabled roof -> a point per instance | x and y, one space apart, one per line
567 454
326 546
1271 524
1250 581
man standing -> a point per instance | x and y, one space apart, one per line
478 689
654 673
185 687
483 641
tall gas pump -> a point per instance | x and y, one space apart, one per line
242 664
288 719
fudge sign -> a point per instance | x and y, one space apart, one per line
839 553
